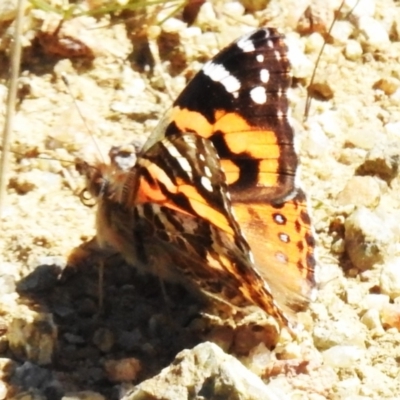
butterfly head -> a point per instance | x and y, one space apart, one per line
96 181
107 181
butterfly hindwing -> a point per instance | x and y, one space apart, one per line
182 193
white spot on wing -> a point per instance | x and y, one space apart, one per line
260 58
185 166
279 219
264 75
218 73
246 44
173 151
206 183
282 258
251 257
231 84
284 237
207 171
258 95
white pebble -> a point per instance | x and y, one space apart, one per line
390 278
342 356
372 321
373 32
353 50
359 8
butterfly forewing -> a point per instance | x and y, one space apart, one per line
238 101
183 173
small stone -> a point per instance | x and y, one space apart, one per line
392 128
302 67
354 295
390 316
173 25
43 278
322 90
8 10
259 358
341 31
30 375
376 301
337 333
7 284
330 123
367 238
365 139
317 17
348 388
373 33
32 335
103 339
130 340
382 161
388 85
372 321
7 368
395 31
87 307
32 394
255 329
206 15
85 395
209 373
353 50
254 5
389 280
314 42
123 370
338 246
375 381
73 339
6 391
223 336
359 8
343 356
360 191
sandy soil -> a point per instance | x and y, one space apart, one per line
120 99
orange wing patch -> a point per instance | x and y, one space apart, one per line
283 247
240 140
176 190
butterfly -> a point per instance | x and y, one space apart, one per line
212 200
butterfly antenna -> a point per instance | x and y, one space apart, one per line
66 83
309 99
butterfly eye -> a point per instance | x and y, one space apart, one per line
123 157
86 199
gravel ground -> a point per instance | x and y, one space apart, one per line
349 148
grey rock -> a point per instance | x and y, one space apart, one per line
204 372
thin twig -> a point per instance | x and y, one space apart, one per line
11 97
308 100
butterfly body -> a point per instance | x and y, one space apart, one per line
212 201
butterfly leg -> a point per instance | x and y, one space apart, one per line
100 288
